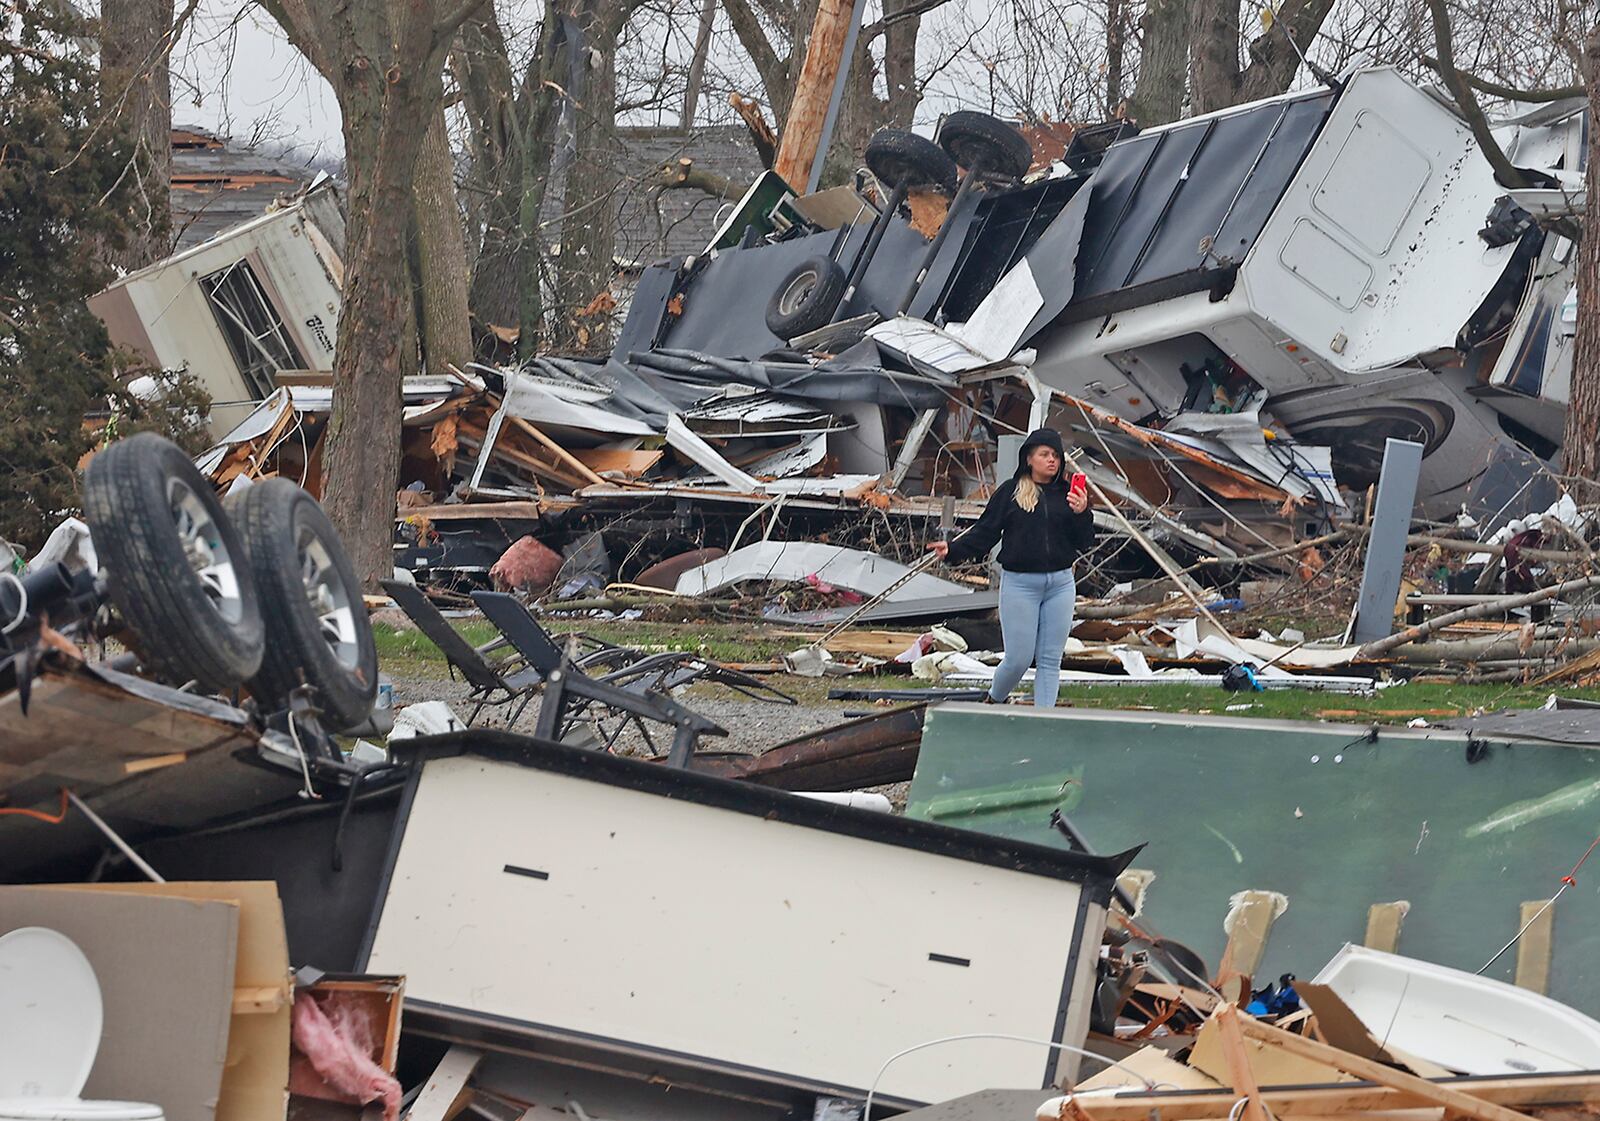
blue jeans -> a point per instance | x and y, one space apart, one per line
1035 619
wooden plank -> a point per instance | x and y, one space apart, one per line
153 763
447 1091
1383 925
469 511
1251 918
1344 1098
560 452
630 464
1534 949
1240 1076
1431 1092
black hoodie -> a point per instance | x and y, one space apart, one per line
1047 540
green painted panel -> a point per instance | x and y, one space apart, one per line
1309 810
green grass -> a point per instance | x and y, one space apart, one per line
726 642
408 653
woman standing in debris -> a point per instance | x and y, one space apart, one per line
1042 524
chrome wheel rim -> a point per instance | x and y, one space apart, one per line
797 293
331 602
205 551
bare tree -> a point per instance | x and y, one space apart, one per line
136 39
1581 438
383 60
441 257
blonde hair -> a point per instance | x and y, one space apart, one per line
1027 494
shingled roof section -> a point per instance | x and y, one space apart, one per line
216 187
673 223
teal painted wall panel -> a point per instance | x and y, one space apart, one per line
1309 810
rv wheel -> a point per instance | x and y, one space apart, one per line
977 140
318 633
900 157
174 563
806 298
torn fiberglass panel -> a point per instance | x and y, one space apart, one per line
1173 206
725 305
1007 228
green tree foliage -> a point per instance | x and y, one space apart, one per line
62 203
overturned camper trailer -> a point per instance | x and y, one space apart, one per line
1300 278
239 311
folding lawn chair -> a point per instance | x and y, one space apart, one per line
489 685
570 692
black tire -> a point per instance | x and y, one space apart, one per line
318 633
901 157
979 141
174 563
806 299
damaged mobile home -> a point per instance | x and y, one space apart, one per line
1230 314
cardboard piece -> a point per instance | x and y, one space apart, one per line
1341 1027
1273 1066
166 972
1156 1065
255 1081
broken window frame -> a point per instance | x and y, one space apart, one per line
269 339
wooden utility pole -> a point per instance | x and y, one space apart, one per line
802 132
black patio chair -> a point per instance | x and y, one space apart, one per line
637 690
490 684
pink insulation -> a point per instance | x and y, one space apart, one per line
340 1052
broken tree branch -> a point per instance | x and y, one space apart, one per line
684 175
1510 93
1478 611
1505 172
761 133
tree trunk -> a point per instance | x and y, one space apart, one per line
383 59
482 69
589 211
1581 441
697 63
376 347
135 85
1274 59
1116 41
441 253
1214 55
537 140
1163 62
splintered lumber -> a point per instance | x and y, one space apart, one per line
808 111
1454 1101
1383 924
1342 1098
1240 1075
560 452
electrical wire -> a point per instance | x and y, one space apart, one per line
866 1113
40 815
1569 880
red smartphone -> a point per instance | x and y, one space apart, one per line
1080 483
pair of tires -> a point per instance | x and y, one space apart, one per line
258 593
809 295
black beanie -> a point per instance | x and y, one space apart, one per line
1040 438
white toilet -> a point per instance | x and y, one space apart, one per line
50 1013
